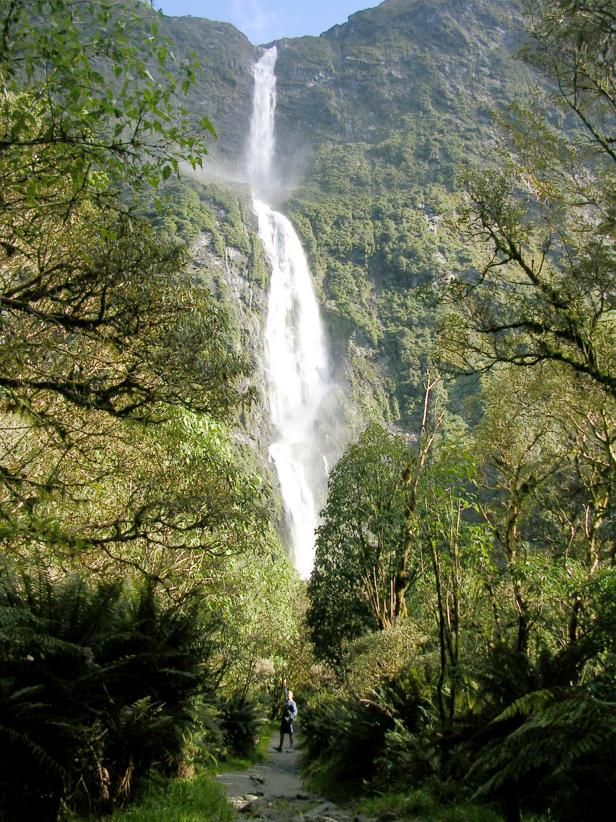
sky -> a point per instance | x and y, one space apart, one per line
265 20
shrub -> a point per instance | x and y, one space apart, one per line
240 720
96 686
561 757
371 729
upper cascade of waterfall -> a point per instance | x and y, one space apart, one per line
295 347
261 141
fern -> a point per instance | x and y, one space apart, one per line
240 722
93 678
39 756
562 734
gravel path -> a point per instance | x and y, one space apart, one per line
274 791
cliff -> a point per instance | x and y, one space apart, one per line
376 118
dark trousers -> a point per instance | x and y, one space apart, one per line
286 728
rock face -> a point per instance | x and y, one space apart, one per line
224 92
375 120
441 58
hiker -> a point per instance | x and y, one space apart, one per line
289 712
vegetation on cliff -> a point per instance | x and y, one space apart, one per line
455 644
142 582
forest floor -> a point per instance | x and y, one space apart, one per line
274 791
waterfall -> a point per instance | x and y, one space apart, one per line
261 140
295 346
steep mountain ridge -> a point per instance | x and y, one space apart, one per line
224 92
375 120
404 56
356 80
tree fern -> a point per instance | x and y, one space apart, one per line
563 734
93 679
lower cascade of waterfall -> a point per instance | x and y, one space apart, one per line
297 378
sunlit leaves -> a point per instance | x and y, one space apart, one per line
94 86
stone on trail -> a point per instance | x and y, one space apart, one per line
273 792
325 812
245 804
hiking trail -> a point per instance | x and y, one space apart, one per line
274 791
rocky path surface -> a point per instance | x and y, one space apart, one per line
274 791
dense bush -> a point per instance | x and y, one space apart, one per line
96 685
241 719
561 755
352 731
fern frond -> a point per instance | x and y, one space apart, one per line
551 740
534 702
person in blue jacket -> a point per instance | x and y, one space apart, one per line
289 712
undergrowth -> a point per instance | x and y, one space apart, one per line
258 754
199 798
421 804
196 798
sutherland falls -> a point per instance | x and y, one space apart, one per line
296 361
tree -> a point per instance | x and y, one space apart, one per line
545 224
368 549
360 543
457 548
90 88
89 110
164 499
367 552
100 331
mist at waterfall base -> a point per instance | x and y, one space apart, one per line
297 371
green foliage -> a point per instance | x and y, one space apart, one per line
424 805
400 804
564 748
350 732
96 689
90 90
396 104
514 597
190 208
360 545
101 327
258 597
378 257
342 739
543 221
599 623
102 331
189 799
507 603
241 720
406 757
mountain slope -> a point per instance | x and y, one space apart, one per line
376 118
447 58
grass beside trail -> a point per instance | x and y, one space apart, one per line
199 798
423 805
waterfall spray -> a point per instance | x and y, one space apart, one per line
295 346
